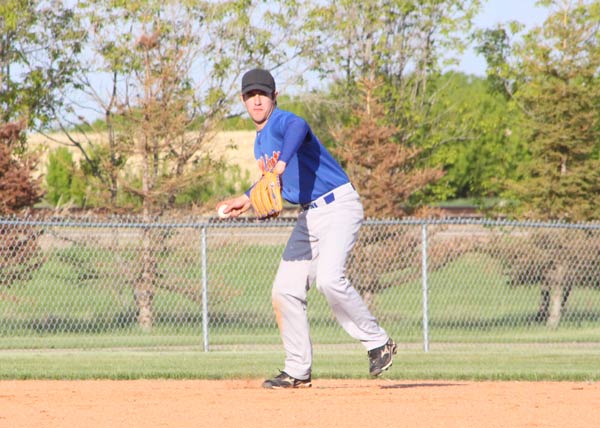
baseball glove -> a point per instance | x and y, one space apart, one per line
265 196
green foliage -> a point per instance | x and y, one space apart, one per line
482 142
65 183
559 90
237 123
495 46
58 178
322 110
39 42
68 183
226 181
38 59
172 72
390 38
404 45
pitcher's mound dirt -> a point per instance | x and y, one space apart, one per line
329 403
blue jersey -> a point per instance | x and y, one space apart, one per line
310 170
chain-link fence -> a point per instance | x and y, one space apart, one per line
127 283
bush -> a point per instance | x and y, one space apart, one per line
17 186
64 181
223 183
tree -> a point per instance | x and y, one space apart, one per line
403 45
17 187
173 70
39 44
552 75
385 172
478 164
560 92
20 253
384 57
387 175
168 74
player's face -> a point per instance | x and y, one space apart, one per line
260 105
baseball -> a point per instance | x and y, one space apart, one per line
221 212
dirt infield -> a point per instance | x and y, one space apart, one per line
329 403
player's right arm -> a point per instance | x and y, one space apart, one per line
294 135
235 206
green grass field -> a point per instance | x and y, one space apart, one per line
75 319
464 363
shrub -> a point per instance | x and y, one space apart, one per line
65 183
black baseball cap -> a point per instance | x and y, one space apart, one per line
258 79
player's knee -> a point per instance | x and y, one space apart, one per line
330 283
282 296
277 295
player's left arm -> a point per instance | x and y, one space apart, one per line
294 135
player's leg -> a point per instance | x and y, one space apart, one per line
289 303
336 227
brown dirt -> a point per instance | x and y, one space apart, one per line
329 403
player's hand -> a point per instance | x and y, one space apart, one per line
279 167
235 206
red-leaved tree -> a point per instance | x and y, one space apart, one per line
19 249
18 188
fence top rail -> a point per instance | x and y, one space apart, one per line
162 223
486 222
131 223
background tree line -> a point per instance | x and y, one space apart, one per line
161 78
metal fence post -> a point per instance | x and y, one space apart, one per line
425 287
204 290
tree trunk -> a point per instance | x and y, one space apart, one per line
557 293
144 285
542 314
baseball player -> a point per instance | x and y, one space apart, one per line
325 232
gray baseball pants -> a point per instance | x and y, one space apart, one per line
317 250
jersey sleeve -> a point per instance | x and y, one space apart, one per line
294 134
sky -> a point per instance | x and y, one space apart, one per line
501 11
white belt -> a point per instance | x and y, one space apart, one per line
329 197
